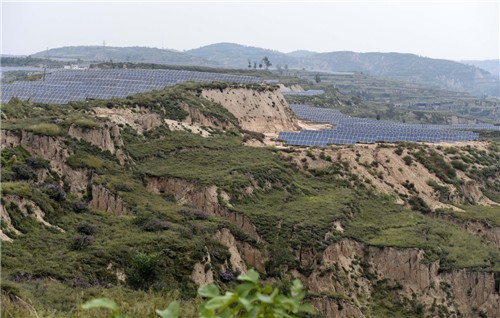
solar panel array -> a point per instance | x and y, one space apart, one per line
351 130
63 86
310 92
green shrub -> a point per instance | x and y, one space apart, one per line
459 165
80 242
85 123
408 160
418 204
143 271
46 129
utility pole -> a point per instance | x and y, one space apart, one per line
104 50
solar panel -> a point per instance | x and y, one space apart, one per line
79 85
351 130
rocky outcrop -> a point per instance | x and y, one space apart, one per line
225 237
77 179
242 254
196 118
104 137
53 150
202 275
139 118
49 148
343 271
203 198
466 289
261 111
105 200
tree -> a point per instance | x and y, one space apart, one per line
280 68
317 78
249 63
266 62
378 116
260 65
255 65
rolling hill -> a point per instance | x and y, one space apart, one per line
444 74
492 66
122 54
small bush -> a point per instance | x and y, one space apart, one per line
54 191
154 225
226 277
80 206
398 151
418 204
143 271
24 172
200 215
86 228
185 213
86 123
123 187
80 242
408 160
46 129
459 165
37 163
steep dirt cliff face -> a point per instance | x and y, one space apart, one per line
459 290
52 149
105 200
265 112
138 118
197 119
341 279
107 138
341 275
202 276
206 199
49 148
243 255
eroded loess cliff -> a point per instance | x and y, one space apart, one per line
261 111
209 199
343 280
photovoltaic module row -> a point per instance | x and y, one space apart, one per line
63 86
351 130
311 92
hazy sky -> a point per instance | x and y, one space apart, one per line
452 30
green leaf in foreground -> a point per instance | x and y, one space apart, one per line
172 311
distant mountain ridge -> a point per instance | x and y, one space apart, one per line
492 66
444 74
122 54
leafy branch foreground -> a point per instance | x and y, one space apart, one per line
249 300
